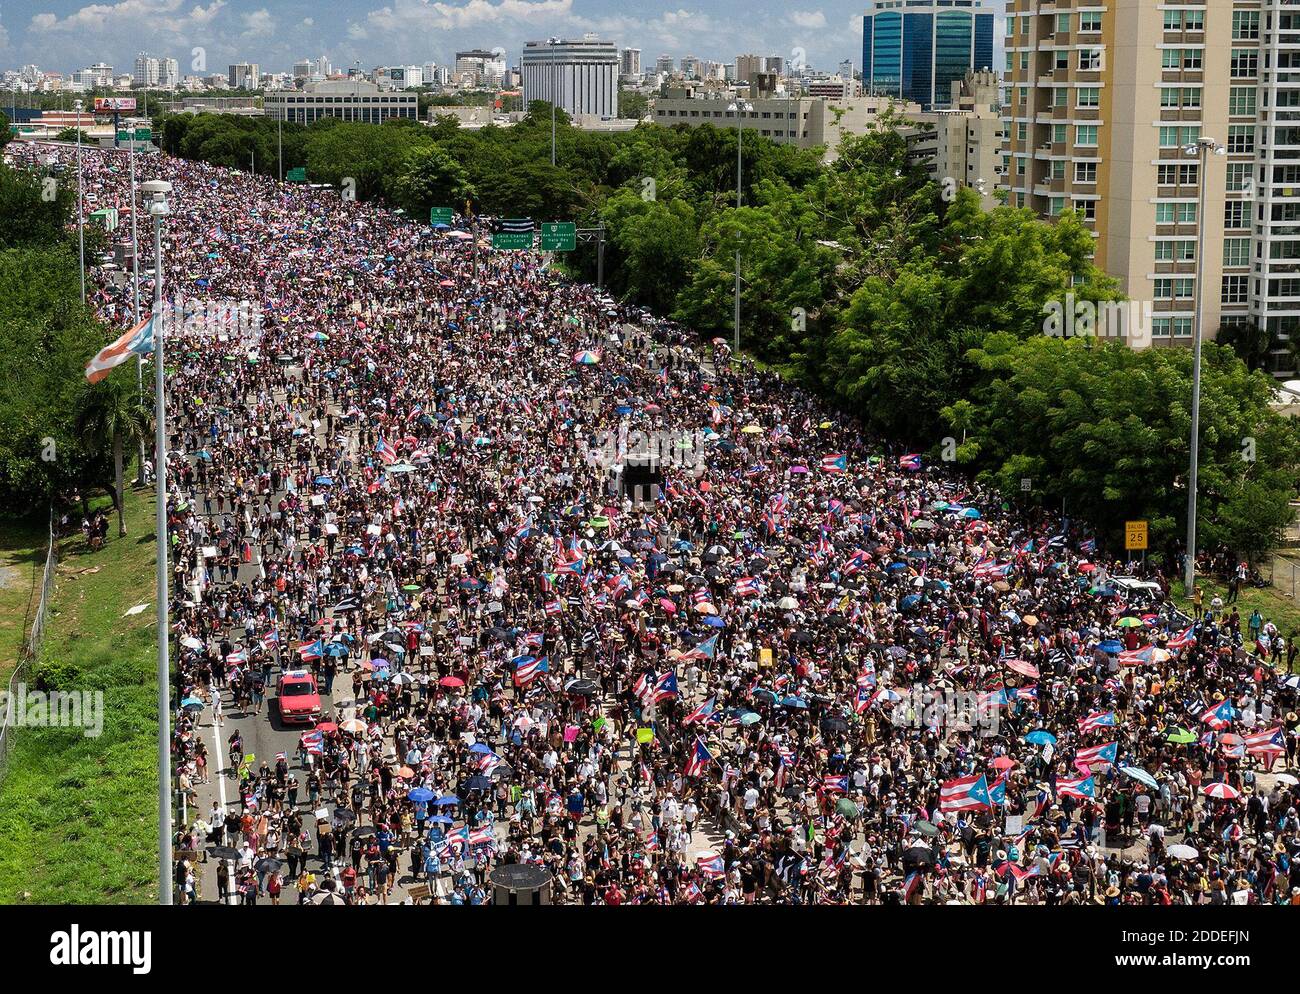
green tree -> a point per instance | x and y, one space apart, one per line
428 178
110 417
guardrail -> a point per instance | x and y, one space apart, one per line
30 647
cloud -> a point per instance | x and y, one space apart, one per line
258 24
307 22
807 18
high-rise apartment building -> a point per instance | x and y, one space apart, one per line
629 62
664 64
1104 108
916 49
581 77
244 76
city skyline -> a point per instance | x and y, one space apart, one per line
65 36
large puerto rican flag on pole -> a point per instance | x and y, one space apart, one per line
134 341
964 794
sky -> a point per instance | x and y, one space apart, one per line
205 36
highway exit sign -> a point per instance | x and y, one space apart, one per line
559 236
440 215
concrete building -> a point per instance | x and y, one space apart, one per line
155 73
690 66
629 64
244 76
963 142
480 68
351 99
664 65
581 77
916 49
807 122
1101 104
98 75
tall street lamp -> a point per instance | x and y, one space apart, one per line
81 231
741 108
1202 147
155 192
555 91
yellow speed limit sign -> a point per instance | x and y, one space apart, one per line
1135 535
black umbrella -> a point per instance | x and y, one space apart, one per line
344 815
803 637
917 857
363 832
268 864
582 687
477 782
834 725
223 852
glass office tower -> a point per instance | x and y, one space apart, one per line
916 49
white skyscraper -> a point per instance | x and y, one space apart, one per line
580 77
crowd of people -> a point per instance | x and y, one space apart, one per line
779 662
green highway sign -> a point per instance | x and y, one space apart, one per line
298 175
143 134
124 136
559 236
440 215
513 233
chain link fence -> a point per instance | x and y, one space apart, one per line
31 646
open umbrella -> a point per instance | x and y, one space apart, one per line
1220 791
1140 775
1022 667
1180 736
420 795
1040 737
1182 852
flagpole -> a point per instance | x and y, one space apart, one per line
135 294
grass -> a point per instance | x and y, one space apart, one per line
78 815
1273 605
22 561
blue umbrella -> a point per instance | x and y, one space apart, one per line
1040 737
713 621
1112 646
750 717
971 513
896 566
324 481
765 694
479 783
441 820
1140 775
192 704
480 747
421 795
909 602
447 799
794 702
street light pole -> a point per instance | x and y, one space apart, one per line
1203 147
555 89
156 192
740 107
135 290
81 231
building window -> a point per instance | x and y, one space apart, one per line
1245 63
1085 134
1059 132
1055 205
1090 20
1245 25
1238 176
1085 172
1089 96
1236 251
1182 327
1090 59
1062 23
1241 138
1060 96
1241 101
1181 58
1235 289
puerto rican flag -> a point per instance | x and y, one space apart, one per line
702 713
527 672
644 688
836 462
387 454
855 562
554 607
270 640
964 794
313 742
572 568
835 785
1088 545
991 568
698 761
1271 741
1084 788
482 836
132 342
911 461
1104 753
1098 719
707 649
1219 716
747 586
237 658
1183 639
311 650
711 866
666 686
